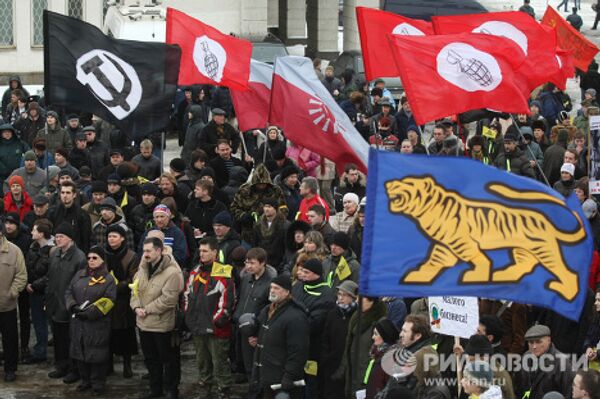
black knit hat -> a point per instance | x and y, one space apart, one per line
223 218
387 331
98 250
99 187
314 265
177 164
475 140
207 171
478 345
149 189
341 239
65 229
288 171
284 281
116 228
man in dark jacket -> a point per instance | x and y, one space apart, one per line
332 347
318 298
80 155
351 182
223 163
56 137
316 218
203 208
70 212
537 381
404 119
227 237
65 261
38 262
512 159
554 157
98 151
150 165
282 343
209 300
288 181
331 83
141 215
32 124
341 264
217 129
193 133
11 150
253 297
270 232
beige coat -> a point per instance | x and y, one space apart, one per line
13 274
158 296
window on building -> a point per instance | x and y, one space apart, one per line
6 23
37 23
75 9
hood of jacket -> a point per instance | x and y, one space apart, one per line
196 112
290 244
261 175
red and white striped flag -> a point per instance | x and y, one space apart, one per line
252 105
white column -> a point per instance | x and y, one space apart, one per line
322 23
351 37
93 12
253 17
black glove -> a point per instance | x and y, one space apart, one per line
81 315
75 309
287 384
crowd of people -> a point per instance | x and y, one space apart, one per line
249 247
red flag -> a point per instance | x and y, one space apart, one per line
252 105
373 27
538 45
310 117
451 74
570 39
207 55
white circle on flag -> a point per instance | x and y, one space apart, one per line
504 29
210 58
405 29
468 68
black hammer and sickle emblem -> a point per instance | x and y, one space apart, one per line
119 98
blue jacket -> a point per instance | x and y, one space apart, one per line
174 238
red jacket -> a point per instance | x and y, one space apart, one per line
594 280
305 205
11 206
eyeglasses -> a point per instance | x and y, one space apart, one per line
93 257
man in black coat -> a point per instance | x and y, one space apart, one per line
64 263
98 151
513 160
141 216
71 213
217 129
203 208
318 298
281 343
223 163
332 347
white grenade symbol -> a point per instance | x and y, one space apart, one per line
211 62
473 68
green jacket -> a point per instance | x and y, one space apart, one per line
11 152
56 138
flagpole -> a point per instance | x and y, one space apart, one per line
162 150
530 152
46 156
421 136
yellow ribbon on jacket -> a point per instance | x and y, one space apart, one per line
135 287
99 280
104 305
112 273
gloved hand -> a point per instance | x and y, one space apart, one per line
74 309
287 384
82 315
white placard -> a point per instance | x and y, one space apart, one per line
454 315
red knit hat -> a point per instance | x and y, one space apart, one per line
16 180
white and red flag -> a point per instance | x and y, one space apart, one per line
310 117
374 26
207 55
451 74
537 43
252 105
